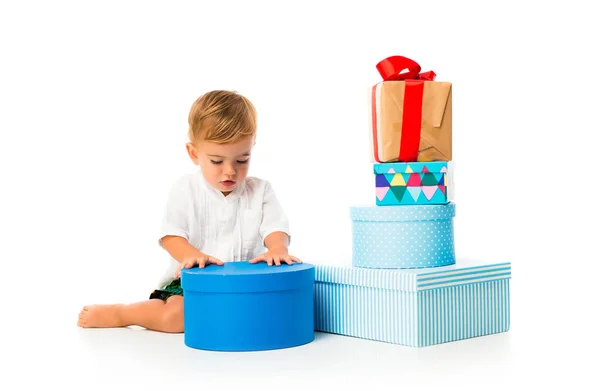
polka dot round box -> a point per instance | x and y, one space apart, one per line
248 307
418 183
393 237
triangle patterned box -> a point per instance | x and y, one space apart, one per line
413 307
415 183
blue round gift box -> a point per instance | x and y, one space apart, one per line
241 306
403 236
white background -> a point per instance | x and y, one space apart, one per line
94 98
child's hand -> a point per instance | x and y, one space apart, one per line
276 256
201 260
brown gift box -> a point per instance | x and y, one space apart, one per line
392 126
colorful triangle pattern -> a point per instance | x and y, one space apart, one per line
417 183
381 192
411 195
381 181
409 168
398 180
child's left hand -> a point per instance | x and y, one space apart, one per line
276 256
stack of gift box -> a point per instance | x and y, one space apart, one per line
404 284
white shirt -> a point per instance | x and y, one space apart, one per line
231 228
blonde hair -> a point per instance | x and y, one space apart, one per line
221 117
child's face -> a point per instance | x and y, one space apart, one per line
224 166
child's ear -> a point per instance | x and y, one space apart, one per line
193 153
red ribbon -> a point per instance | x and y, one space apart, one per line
390 69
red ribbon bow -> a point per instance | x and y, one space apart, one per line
390 70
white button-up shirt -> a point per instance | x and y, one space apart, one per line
231 228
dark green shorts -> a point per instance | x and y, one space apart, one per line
174 288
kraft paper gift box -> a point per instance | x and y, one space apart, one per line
414 236
411 114
414 307
415 183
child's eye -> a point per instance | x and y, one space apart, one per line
215 162
243 161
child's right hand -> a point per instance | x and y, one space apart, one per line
199 259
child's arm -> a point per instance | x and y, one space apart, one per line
275 231
179 248
175 227
187 255
277 250
277 241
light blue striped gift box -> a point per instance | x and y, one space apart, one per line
413 307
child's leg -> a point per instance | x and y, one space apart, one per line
153 314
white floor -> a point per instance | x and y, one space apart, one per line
553 339
57 353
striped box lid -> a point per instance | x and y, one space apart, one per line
461 273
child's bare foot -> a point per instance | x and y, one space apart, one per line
100 316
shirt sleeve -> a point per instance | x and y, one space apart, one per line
274 217
177 212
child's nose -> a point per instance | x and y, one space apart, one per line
229 169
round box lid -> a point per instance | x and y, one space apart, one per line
241 277
403 213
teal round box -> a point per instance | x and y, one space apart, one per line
403 236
